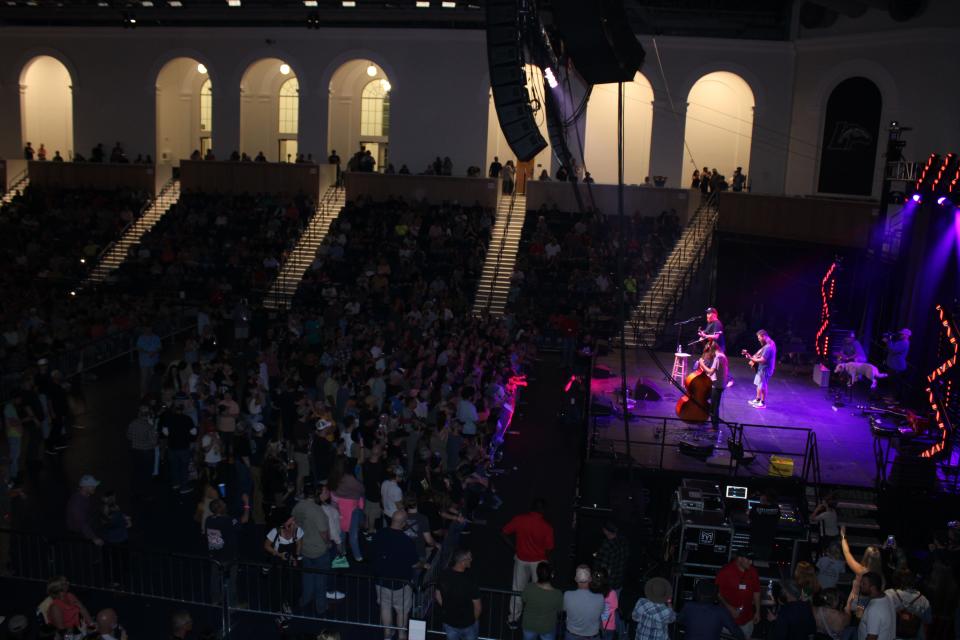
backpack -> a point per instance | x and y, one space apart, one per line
908 623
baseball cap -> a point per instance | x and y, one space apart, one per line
711 310
89 481
744 553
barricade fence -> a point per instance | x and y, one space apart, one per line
246 588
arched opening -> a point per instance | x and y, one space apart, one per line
600 154
496 142
270 110
360 112
719 128
46 106
851 127
184 110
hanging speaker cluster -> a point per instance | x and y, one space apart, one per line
508 79
598 37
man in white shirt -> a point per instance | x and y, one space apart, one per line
879 620
467 412
391 494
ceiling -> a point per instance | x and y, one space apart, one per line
752 19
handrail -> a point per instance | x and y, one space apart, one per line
320 209
17 179
700 229
503 242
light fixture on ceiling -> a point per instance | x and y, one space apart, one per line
201 68
285 69
349 3
174 3
310 3
233 3
385 85
423 4
146 3
372 71
447 4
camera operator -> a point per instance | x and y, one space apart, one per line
898 345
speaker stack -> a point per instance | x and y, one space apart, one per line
508 79
598 37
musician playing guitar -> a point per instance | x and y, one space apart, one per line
764 361
714 329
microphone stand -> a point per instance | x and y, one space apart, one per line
679 326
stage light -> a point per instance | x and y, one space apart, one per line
941 200
447 4
423 4
309 3
174 3
147 3
83 261
285 69
202 68
917 198
233 3
348 3
372 71
551 79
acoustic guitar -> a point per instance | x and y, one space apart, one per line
749 356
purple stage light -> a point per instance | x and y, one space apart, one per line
917 198
941 200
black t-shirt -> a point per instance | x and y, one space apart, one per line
222 537
373 476
458 590
394 555
179 427
714 327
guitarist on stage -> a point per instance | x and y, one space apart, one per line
765 360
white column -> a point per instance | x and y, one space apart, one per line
666 143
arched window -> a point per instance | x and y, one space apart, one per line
206 106
851 129
289 106
375 109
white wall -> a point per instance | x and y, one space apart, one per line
440 96
906 66
601 131
46 101
260 110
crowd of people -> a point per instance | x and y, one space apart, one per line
565 275
98 154
210 246
49 239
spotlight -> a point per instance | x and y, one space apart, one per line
73 293
313 20
83 261
129 21
941 200
202 68
917 198
285 69
372 71
551 79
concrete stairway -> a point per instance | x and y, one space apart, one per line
494 285
647 318
19 185
282 290
116 253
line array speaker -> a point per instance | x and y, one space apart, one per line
508 80
598 37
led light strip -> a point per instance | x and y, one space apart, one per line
826 297
940 415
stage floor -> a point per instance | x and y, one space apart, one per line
844 439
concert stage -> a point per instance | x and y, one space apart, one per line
843 434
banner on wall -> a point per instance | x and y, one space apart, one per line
850 132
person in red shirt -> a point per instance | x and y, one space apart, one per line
739 586
534 537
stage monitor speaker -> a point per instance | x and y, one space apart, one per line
595 484
508 80
598 37
645 389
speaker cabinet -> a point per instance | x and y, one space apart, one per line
598 37
508 80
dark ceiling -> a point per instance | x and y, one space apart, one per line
752 19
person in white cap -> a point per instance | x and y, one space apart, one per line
80 510
583 607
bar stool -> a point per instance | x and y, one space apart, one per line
680 366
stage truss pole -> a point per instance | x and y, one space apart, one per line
621 246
